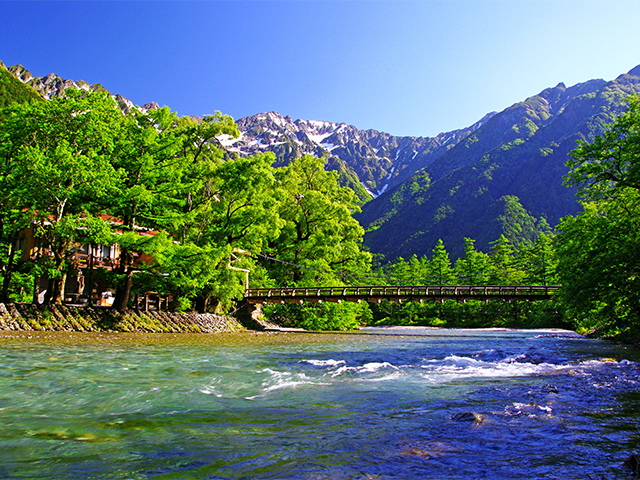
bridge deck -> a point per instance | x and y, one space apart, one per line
399 293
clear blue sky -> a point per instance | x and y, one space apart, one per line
406 68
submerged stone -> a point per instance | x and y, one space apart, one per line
468 417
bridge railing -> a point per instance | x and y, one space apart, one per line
394 292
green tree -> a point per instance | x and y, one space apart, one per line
472 269
440 271
598 250
320 240
503 267
539 261
12 222
413 272
146 158
324 316
398 271
57 172
168 166
599 264
232 215
611 161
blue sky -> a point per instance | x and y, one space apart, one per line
402 67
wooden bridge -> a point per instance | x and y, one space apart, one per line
400 293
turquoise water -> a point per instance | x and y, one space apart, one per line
389 403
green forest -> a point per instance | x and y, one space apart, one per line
190 220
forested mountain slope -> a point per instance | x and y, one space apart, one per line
506 177
14 91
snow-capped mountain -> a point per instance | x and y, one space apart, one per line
379 160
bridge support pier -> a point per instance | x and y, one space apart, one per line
251 316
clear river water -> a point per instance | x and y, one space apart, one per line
387 403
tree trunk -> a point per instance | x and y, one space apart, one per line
88 275
6 279
36 289
202 303
124 294
57 290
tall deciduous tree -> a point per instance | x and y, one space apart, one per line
230 216
612 160
168 166
319 231
599 263
147 160
599 249
57 171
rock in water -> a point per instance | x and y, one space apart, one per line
467 417
633 462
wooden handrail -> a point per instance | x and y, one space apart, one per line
416 291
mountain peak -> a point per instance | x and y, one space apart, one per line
150 106
21 73
520 152
635 71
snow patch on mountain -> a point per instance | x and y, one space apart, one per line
379 161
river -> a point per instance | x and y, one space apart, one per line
382 403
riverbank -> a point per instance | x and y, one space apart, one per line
28 317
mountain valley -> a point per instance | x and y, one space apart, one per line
503 175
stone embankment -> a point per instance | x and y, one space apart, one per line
87 319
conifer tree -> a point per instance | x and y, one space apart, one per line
440 271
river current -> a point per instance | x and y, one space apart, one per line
387 403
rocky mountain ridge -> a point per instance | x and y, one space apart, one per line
52 86
379 160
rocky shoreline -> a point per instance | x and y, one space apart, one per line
28 317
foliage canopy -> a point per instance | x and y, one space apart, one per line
599 249
188 218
